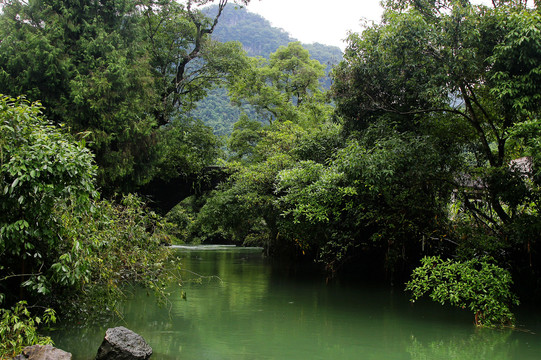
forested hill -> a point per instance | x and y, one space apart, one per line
257 35
259 38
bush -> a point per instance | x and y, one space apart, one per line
18 329
113 244
476 284
41 169
58 241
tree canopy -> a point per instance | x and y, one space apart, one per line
115 70
475 66
290 78
435 122
258 38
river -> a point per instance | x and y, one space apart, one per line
234 304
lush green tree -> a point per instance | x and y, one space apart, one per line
57 239
371 199
276 87
217 111
185 60
42 169
112 244
245 136
258 38
186 147
85 63
449 58
114 70
253 185
247 207
286 88
464 79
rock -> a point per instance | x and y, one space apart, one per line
123 344
43 352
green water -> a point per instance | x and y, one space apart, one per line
248 308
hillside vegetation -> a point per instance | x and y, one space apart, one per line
258 38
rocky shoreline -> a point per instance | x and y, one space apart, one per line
119 343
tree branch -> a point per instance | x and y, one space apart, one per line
19 275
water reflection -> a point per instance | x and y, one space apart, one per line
239 306
482 344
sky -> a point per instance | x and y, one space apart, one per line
323 21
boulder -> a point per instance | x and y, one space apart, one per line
43 352
123 344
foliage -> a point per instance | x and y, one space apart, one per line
186 147
464 79
42 169
185 60
18 329
217 112
275 87
111 245
478 284
285 88
179 222
447 58
313 196
114 71
383 196
245 136
58 241
247 205
85 63
224 217
258 38
319 144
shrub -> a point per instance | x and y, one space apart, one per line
18 329
477 284
42 168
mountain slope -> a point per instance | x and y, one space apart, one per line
259 38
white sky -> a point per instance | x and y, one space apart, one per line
323 21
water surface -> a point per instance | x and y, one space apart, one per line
237 305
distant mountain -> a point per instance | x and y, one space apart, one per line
256 34
259 38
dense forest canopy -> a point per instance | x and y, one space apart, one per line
119 72
422 158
